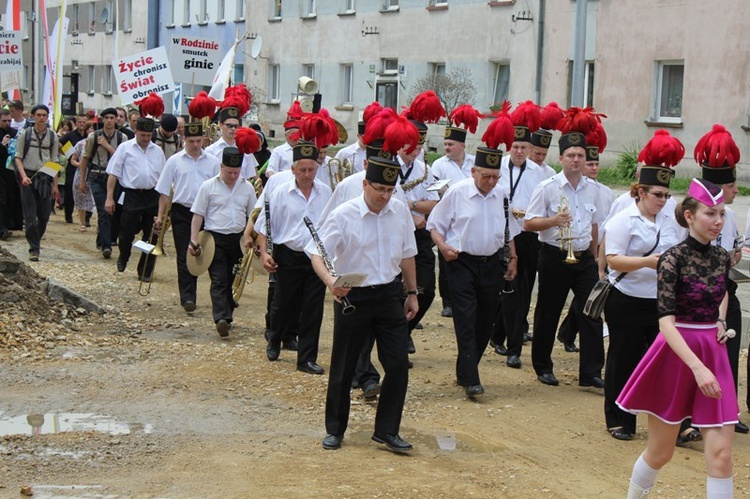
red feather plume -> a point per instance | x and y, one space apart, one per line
400 133
202 106
717 149
333 131
247 140
501 130
527 114
582 120
151 105
315 128
295 111
238 96
597 137
663 149
551 115
426 107
371 110
467 116
376 126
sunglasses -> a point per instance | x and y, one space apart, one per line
228 125
660 195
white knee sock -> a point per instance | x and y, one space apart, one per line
643 474
719 488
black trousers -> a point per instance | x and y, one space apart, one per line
556 279
425 264
475 283
11 213
181 219
228 252
379 313
68 203
116 217
291 332
508 324
734 321
365 372
299 293
445 295
569 326
633 326
138 212
527 249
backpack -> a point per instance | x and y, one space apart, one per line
98 134
27 143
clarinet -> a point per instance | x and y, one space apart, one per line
348 308
508 286
269 240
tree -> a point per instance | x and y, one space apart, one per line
453 89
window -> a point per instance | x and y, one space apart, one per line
170 12
24 25
107 84
668 95
276 9
309 8
390 66
220 11
239 74
109 23
127 15
91 80
437 68
92 18
203 12
390 4
348 6
241 10
274 80
308 70
26 78
588 84
186 12
347 81
438 3
386 93
501 83
75 19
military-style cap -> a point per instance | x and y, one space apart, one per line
455 133
572 139
382 171
144 125
361 127
232 157
592 153
168 122
521 134
422 129
229 113
305 150
375 150
488 158
108 111
193 129
541 138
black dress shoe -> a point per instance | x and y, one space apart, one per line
548 379
501 350
310 368
272 351
189 306
419 326
121 265
740 427
371 390
474 390
291 345
222 327
267 334
332 442
527 337
411 364
411 348
513 361
393 442
571 347
595 382
447 312
619 433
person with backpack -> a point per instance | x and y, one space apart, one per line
99 148
36 145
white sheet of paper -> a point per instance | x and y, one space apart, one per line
121 199
455 242
349 280
144 246
438 184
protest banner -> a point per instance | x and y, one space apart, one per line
194 60
140 74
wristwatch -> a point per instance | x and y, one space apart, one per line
411 292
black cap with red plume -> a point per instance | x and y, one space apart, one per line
202 106
499 132
658 156
370 111
237 96
151 105
575 125
464 118
596 142
247 140
718 156
526 119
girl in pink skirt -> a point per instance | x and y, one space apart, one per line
686 371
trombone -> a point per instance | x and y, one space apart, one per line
158 249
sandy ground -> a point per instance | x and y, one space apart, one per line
150 402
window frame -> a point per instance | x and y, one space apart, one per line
347 84
659 90
497 65
127 15
91 80
274 84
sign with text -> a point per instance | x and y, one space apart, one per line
10 51
140 74
194 60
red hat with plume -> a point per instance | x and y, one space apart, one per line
596 142
576 125
500 131
202 106
718 156
370 111
464 118
151 105
526 119
247 140
293 116
387 133
237 96
658 156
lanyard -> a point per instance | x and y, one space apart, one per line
512 185
405 176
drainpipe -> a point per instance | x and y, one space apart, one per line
540 52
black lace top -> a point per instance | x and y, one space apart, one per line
692 281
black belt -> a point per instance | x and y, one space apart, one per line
480 258
381 286
577 254
128 189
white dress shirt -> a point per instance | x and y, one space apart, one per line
224 210
729 232
249 163
472 222
185 175
360 241
355 154
582 201
525 182
281 159
417 192
632 234
271 184
324 173
624 200
288 208
549 172
445 168
136 168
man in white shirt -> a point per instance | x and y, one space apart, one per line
229 122
222 206
136 165
566 200
298 291
369 235
354 153
16 113
540 142
281 157
181 178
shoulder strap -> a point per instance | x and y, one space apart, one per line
658 235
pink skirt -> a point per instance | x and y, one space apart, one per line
664 386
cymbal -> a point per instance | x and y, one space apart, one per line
197 265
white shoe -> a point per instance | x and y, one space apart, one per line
637 492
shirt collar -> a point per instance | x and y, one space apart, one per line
474 191
364 209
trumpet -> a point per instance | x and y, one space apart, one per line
566 238
158 247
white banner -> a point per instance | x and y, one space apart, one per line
221 80
56 54
11 59
194 60
140 74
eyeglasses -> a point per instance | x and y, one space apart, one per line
660 195
232 125
388 191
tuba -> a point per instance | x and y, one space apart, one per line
158 246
